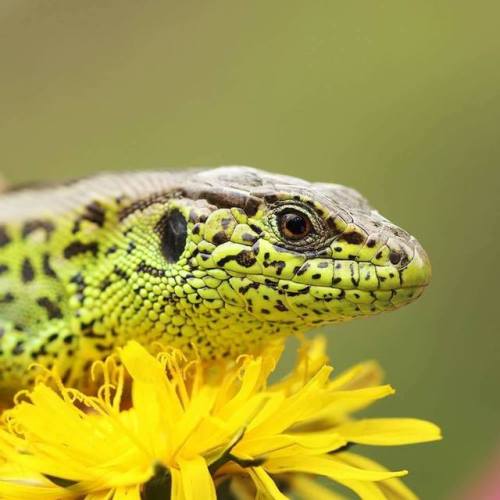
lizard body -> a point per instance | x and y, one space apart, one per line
220 261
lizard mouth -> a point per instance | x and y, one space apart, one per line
328 291
317 307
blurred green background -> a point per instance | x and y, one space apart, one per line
398 99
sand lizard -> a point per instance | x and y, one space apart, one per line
219 260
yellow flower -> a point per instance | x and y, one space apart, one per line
164 427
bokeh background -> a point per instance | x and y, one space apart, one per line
398 99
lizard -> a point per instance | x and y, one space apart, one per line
219 261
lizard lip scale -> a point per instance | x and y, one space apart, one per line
219 261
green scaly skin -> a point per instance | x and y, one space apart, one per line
197 260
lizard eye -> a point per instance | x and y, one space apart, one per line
294 225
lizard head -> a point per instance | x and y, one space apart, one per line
306 254
236 256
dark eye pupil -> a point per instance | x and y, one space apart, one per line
295 226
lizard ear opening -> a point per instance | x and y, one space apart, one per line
173 233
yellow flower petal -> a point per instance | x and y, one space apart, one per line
266 487
393 489
327 466
281 445
367 374
196 479
311 357
128 493
201 424
177 492
389 431
364 489
307 488
299 406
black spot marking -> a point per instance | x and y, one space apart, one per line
53 310
271 198
303 269
249 237
280 306
102 347
371 243
18 348
27 271
379 255
95 213
33 225
41 352
279 265
226 222
46 267
105 283
142 204
354 280
338 249
3 268
353 238
52 337
337 280
256 229
316 276
4 237
121 273
394 257
78 247
145 268
228 198
220 237
78 279
111 249
173 233
245 258
131 246
68 339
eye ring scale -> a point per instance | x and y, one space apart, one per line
297 226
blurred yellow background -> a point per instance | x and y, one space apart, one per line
398 99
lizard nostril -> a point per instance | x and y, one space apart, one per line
394 257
